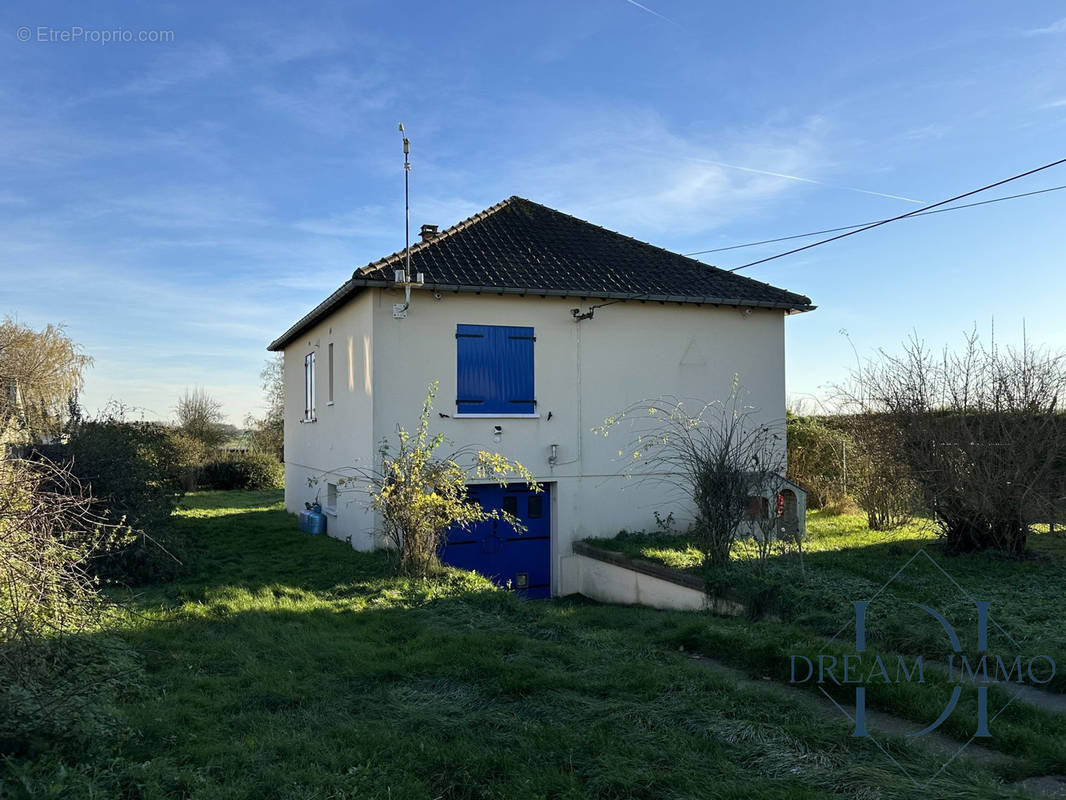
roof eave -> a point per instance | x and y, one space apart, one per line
354 285
796 307
346 291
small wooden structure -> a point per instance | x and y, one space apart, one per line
780 498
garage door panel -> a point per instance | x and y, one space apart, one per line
495 549
488 498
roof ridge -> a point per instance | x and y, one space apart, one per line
417 247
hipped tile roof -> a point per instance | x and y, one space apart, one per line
522 247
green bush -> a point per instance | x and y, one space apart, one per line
63 692
251 470
189 455
133 470
817 456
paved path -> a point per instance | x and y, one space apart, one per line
1052 702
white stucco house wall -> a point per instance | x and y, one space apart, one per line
537 326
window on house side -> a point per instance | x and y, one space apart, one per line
494 370
331 497
330 372
309 387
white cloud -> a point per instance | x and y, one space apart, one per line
632 172
172 67
1056 27
924 133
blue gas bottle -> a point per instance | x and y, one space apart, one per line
316 520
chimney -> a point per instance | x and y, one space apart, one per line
428 232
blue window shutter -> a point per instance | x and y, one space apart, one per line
516 370
494 369
473 369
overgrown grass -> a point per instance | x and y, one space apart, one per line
289 666
845 561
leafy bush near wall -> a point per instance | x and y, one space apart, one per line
252 471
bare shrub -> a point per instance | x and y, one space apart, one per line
980 431
52 677
881 482
46 520
716 455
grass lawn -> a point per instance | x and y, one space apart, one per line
844 561
289 666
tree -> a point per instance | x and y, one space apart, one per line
980 432
200 417
420 495
718 457
268 431
40 373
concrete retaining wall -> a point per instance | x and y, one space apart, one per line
613 578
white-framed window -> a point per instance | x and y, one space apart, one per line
310 412
330 368
331 498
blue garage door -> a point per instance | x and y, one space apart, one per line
496 550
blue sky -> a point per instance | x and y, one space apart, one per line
178 204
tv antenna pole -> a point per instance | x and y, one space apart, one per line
406 208
399 311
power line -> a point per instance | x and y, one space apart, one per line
861 224
901 216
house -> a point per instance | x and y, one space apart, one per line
537 326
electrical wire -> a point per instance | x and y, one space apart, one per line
861 224
900 216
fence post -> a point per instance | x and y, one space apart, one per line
844 450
